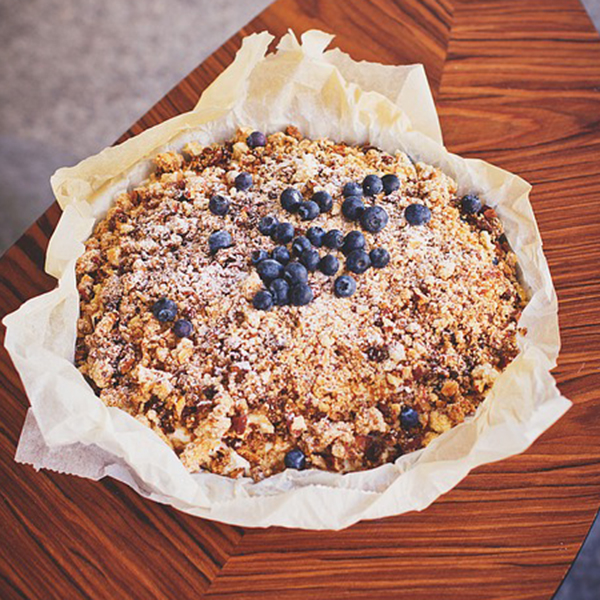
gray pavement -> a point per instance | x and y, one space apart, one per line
75 74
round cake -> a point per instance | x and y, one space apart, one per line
276 302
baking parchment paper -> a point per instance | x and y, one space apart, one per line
325 94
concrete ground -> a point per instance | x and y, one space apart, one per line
75 74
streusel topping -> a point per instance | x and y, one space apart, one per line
240 378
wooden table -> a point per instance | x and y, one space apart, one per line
517 83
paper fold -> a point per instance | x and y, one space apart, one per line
325 94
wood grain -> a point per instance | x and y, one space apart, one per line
516 83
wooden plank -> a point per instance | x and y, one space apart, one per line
516 84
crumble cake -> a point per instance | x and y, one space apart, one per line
275 301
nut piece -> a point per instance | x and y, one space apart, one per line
168 162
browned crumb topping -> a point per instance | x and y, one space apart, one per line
431 331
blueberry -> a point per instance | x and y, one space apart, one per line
470 204
300 294
352 188
329 265
344 286
295 459
219 240
262 300
281 254
354 240
164 310
258 256
267 224
295 273
243 182
417 214
308 210
333 239
380 257
310 259
256 139
352 208
409 417
283 233
358 261
315 236
374 219
300 244
183 328
218 205
269 269
324 200
291 199
391 183
372 185
280 290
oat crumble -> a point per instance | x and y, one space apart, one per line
431 331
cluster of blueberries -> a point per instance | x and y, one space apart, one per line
286 280
374 218
166 310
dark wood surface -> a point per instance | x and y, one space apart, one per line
516 83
